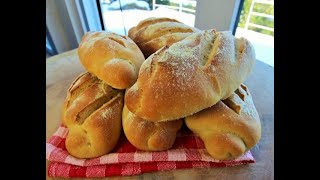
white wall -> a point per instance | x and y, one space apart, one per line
218 14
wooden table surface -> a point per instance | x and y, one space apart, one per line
63 68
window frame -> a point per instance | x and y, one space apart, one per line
100 14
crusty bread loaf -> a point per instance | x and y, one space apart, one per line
230 128
92 112
190 75
112 58
153 33
149 136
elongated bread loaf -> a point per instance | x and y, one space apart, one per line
92 112
153 33
190 75
230 128
149 136
112 58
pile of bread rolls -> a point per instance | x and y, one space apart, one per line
149 84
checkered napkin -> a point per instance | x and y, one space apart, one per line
188 151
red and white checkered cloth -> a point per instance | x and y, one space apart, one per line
188 151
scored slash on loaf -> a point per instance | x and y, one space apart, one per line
190 75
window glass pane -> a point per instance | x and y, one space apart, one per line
49 48
47 41
257 25
120 15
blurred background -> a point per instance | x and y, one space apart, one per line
68 20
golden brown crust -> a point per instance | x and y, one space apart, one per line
92 112
153 33
149 136
112 58
190 75
230 128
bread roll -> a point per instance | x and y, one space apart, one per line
153 33
230 128
112 58
190 75
92 113
149 136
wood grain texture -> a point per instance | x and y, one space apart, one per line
63 68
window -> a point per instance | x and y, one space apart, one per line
50 48
67 20
257 25
120 15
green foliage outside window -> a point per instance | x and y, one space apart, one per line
261 8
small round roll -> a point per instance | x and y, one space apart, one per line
92 113
230 128
112 58
149 136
